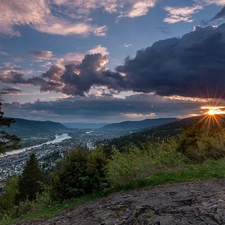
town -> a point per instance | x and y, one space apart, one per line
48 154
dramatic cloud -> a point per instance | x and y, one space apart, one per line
40 15
193 65
48 16
106 109
79 78
124 8
74 79
70 58
19 78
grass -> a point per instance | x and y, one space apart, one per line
210 169
53 210
149 215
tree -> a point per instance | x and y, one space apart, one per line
7 141
7 199
82 172
31 180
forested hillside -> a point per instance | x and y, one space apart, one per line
24 128
138 124
171 129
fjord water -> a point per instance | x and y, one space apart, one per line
58 139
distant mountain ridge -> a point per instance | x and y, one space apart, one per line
85 125
23 127
147 123
166 130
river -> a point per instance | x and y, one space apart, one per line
58 139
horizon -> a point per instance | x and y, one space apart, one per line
137 120
111 61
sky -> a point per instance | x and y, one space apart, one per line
111 60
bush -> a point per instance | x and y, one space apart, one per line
199 145
8 198
81 173
136 164
44 200
21 209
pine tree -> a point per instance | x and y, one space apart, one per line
7 141
31 180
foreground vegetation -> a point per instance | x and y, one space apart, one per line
197 153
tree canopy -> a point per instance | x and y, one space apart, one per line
31 179
7 141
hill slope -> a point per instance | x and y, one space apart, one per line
165 130
24 128
138 124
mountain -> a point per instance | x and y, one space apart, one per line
24 128
85 125
138 124
166 130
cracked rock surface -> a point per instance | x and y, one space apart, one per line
197 203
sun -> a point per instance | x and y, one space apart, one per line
213 112
214 116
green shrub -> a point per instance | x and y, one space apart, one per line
8 198
21 209
199 145
135 164
44 200
81 173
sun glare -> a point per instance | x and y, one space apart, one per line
213 110
213 116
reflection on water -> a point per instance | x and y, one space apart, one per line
58 139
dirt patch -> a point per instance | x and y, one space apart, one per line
198 203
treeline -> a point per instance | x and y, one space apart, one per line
154 134
84 172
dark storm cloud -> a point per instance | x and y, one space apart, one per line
74 79
53 73
193 65
104 109
78 79
14 78
219 15
19 78
9 90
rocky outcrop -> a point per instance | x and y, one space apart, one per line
198 203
